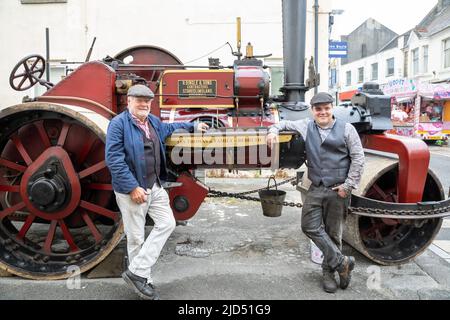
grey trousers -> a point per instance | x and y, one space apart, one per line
323 217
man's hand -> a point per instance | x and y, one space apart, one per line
139 195
272 138
342 192
202 127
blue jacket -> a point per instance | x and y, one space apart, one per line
124 151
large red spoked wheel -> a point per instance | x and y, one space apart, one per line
57 207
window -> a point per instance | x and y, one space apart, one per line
425 59
430 112
402 113
363 50
276 79
42 1
405 64
360 75
374 71
415 61
333 80
348 76
390 67
57 73
446 46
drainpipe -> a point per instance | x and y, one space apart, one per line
47 54
316 38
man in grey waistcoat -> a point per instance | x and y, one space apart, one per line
335 161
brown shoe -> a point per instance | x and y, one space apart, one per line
329 281
344 271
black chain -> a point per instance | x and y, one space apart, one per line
403 213
221 194
265 188
426 214
243 195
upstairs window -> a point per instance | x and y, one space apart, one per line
41 1
390 67
425 59
348 76
446 45
374 71
415 61
361 75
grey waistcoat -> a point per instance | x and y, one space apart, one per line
328 161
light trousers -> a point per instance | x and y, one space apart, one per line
143 253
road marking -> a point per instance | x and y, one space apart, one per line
446 224
443 244
441 253
440 154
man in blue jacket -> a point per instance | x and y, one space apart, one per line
135 155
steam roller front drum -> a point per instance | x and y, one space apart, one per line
389 241
57 209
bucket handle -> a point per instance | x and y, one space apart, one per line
275 181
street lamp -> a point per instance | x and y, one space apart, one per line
334 12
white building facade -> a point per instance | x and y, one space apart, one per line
191 30
429 57
414 68
380 68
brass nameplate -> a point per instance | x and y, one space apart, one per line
197 88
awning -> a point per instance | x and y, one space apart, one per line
347 95
405 99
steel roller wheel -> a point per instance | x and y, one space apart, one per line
57 207
391 241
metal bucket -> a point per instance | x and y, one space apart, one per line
272 209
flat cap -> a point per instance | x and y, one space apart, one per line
139 90
322 97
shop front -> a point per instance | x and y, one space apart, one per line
434 116
419 110
403 94
346 96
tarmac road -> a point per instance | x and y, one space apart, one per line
230 251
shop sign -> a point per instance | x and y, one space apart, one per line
400 87
437 91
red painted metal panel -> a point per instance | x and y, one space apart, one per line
93 81
414 158
191 190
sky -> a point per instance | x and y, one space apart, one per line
398 15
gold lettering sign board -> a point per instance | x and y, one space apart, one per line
197 88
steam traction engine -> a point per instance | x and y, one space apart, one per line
57 207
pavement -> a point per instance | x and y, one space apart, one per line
230 251
440 162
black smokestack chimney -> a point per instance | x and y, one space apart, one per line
294 38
